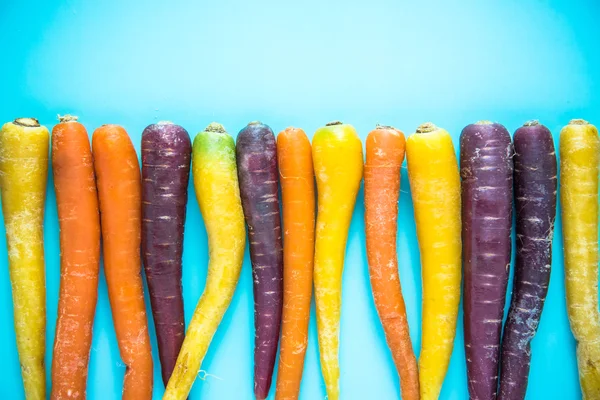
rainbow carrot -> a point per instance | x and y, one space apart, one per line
166 154
79 222
256 152
435 186
385 153
217 190
486 165
338 163
535 205
23 174
579 148
119 191
298 193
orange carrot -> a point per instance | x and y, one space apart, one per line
385 153
79 222
298 194
119 190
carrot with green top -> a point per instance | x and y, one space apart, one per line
79 223
385 154
579 148
435 186
119 192
296 176
338 163
23 175
216 183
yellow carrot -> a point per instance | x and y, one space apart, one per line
338 165
23 174
435 185
579 147
216 183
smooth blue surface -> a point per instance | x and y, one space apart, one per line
300 63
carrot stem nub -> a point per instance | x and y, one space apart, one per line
27 122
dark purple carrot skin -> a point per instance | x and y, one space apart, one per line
166 154
256 152
486 168
535 204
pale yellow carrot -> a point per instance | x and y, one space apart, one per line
23 174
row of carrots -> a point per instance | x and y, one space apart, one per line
464 224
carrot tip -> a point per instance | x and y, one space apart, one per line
28 122
533 122
216 127
67 118
426 127
333 123
578 122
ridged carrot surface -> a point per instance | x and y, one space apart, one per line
385 154
298 193
166 155
535 185
256 156
338 164
79 222
435 186
217 191
23 175
119 192
486 169
579 148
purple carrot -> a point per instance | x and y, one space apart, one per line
486 169
535 204
256 152
166 153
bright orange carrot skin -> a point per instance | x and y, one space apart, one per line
119 189
385 154
79 222
298 193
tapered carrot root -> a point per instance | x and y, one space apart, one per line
535 204
79 222
256 152
166 154
119 192
435 186
338 163
486 167
23 174
298 193
579 155
218 194
385 153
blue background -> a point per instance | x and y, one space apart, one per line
300 63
